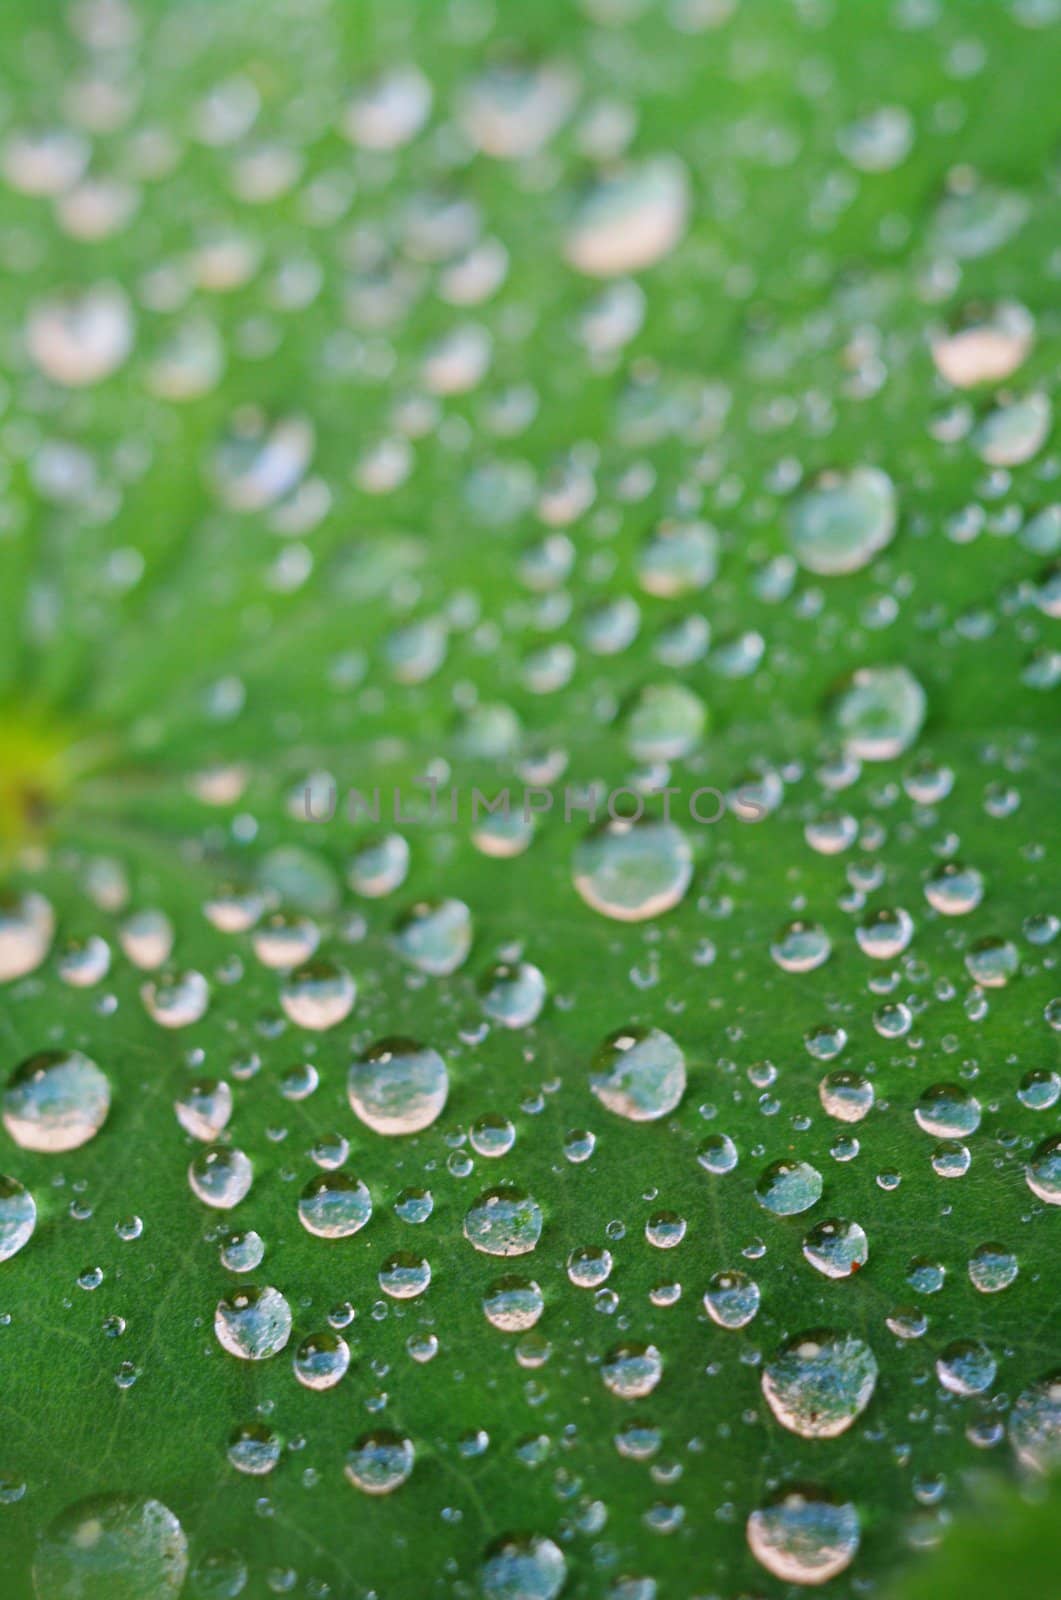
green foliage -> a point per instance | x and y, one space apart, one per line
151 632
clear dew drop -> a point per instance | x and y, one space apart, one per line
633 870
204 1108
664 722
55 1101
885 933
176 999
985 344
18 1217
397 1086
992 1268
112 1547
879 713
524 1566
321 1360
639 1074
380 1462
504 1221
632 1370
837 1248
512 994
1043 1172
1035 1425
845 1095
801 946
379 866
628 218
253 1449
947 1111
334 1205
221 1176
731 1299
843 520
966 1367
513 1304
787 1187
82 963
514 107
318 996
804 1536
435 936
404 1275
27 927
253 1323
820 1382
81 338
242 1252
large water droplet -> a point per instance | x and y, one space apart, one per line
804 1536
253 1323
843 520
523 1567
880 712
380 1462
334 1205
27 925
504 1221
398 1086
56 1101
18 1217
111 1547
819 1382
639 1073
629 218
633 870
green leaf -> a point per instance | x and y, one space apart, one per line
625 396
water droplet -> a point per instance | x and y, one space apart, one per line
819 1382
334 1205
221 1177
966 1367
18 1217
203 1109
1035 1425
81 338
732 1299
948 1111
254 1449
522 1567
632 1370
318 996
639 1074
435 936
628 218
380 1462
253 1323
1043 1172
512 994
836 1248
27 927
56 1101
804 1536
845 1095
398 1086
321 1360
176 1000
513 1304
112 1547
632 870
504 1221
843 520
788 1187
992 1268
801 947
879 714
